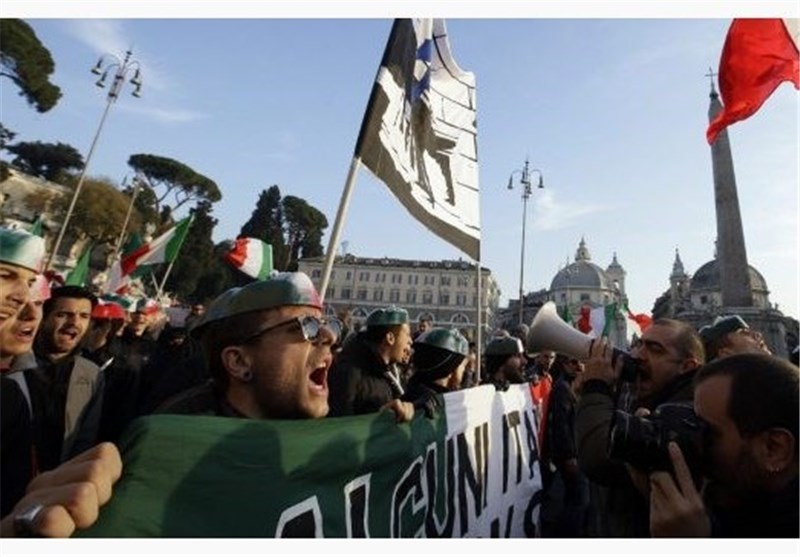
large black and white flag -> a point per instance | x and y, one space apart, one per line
419 134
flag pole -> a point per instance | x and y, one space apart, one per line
164 280
341 213
479 335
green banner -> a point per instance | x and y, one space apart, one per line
470 471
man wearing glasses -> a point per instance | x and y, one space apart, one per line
730 335
268 352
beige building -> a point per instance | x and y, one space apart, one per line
444 291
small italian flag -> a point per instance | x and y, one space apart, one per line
252 257
163 249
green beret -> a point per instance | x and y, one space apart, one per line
722 326
504 346
384 317
280 289
21 248
447 339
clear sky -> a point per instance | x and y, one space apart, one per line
612 110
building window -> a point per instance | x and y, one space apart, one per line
460 318
394 296
430 280
427 297
348 275
316 273
461 299
363 276
361 294
333 275
444 299
463 281
585 297
444 281
704 299
474 300
331 292
411 297
377 295
346 293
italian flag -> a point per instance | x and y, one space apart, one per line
636 323
163 249
758 55
596 322
252 257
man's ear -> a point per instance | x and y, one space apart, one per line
237 362
390 338
690 363
778 449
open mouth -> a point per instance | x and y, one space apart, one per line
25 334
69 335
319 379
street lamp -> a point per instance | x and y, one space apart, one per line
121 72
525 182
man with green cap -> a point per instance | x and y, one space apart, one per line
438 363
729 335
364 377
505 362
21 258
268 351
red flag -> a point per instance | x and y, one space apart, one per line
641 319
759 55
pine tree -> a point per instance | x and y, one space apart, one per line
266 224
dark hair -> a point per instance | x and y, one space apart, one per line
687 341
764 392
70 291
220 334
374 334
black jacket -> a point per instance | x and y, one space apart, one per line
619 509
358 381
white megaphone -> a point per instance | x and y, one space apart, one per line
549 332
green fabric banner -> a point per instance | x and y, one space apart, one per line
470 471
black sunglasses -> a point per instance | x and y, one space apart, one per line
309 325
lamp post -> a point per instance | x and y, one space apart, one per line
525 182
121 72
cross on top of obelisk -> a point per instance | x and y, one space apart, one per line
711 75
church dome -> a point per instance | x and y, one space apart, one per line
581 274
707 277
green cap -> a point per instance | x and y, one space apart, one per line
281 289
504 346
21 248
722 325
447 339
384 317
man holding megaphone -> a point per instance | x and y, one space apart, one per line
659 370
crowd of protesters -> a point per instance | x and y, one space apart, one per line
77 370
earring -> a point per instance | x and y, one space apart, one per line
246 376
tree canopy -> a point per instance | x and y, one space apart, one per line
196 257
27 63
179 182
99 210
47 160
266 223
304 226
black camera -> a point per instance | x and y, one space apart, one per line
642 441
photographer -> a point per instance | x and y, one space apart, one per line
750 404
666 359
